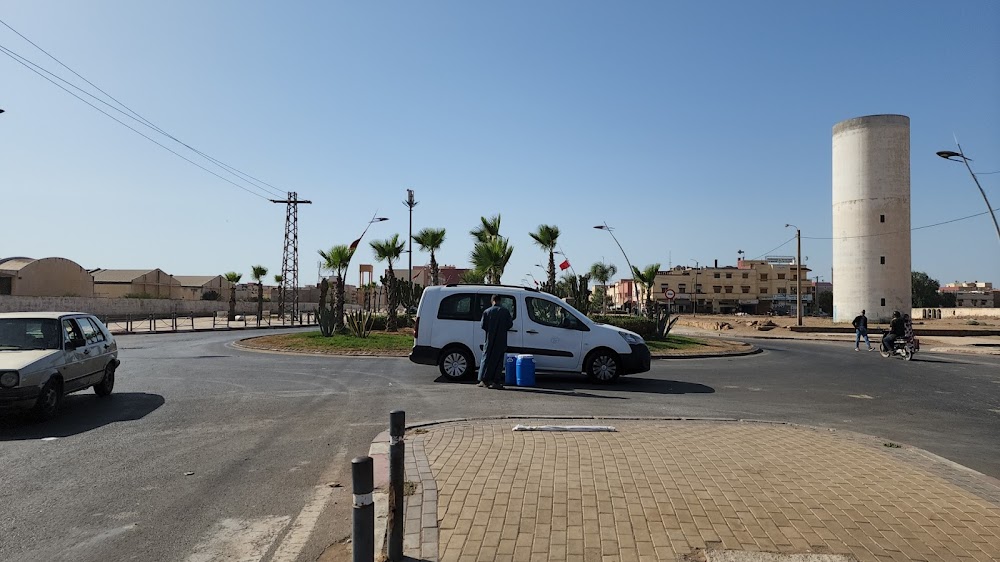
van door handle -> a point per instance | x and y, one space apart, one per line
532 331
515 331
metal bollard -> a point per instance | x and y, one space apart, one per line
397 449
363 534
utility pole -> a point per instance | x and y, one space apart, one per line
410 203
290 257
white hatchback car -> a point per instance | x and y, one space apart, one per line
448 333
46 355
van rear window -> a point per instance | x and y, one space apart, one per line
457 307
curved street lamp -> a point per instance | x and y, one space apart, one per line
954 157
694 299
798 273
635 289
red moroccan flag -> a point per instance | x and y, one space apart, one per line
564 264
354 245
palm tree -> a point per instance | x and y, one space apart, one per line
257 272
489 229
430 240
278 278
472 277
547 238
233 279
491 257
389 250
602 273
337 259
646 279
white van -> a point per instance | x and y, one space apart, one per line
448 334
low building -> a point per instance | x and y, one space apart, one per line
135 283
447 274
45 277
201 287
975 294
752 286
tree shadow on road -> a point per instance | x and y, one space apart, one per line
80 414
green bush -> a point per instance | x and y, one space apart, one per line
641 325
972 323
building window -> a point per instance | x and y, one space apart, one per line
745 288
716 275
781 276
882 259
697 288
746 276
881 218
717 289
763 277
729 276
781 290
883 302
682 288
763 290
729 288
6 285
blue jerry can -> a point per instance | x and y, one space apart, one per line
510 369
525 370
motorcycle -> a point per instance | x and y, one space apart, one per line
901 347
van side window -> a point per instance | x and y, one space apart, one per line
486 301
548 313
457 307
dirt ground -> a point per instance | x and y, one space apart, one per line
753 324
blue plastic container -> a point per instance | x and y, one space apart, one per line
510 369
525 370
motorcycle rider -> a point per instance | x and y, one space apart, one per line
896 330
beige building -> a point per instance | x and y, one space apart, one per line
136 283
752 286
46 277
196 287
422 274
975 294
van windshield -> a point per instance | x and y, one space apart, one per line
29 333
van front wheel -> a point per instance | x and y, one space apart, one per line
456 363
603 366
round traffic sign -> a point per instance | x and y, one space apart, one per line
669 293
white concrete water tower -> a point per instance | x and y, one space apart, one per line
871 217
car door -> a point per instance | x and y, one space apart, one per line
455 323
514 335
75 364
553 334
94 352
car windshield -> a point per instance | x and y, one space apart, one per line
29 333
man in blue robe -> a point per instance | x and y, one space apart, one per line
496 322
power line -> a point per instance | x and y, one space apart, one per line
773 249
899 231
126 125
260 184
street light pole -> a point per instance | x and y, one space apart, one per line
798 273
694 301
635 289
949 155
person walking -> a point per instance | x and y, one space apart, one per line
496 321
861 331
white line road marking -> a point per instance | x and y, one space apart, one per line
995 411
861 396
302 528
239 540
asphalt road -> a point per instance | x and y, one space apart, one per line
207 452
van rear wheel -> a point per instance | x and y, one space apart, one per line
456 363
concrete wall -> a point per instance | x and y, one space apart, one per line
134 307
929 313
871 216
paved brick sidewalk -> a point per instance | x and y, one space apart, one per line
665 490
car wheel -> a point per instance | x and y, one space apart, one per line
456 363
603 366
107 384
49 400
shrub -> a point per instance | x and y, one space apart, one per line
210 296
972 323
645 327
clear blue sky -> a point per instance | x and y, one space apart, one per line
696 129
